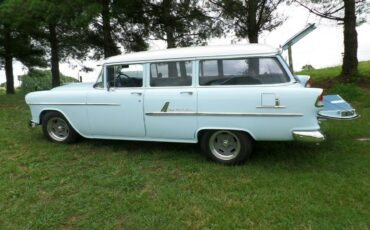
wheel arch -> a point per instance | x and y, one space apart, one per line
201 131
46 110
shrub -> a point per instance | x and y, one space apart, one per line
347 91
37 80
307 67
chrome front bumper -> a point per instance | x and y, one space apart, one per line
31 124
308 136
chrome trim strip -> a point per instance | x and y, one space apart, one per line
224 114
60 103
109 104
271 107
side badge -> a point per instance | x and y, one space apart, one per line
165 107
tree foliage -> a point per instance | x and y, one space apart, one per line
114 24
37 80
179 23
349 13
61 26
16 40
248 18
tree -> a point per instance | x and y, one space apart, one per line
16 42
179 22
116 23
344 12
60 25
248 18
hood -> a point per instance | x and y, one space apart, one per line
74 86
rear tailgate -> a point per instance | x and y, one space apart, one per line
335 107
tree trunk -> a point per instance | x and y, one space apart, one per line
252 21
350 62
54 46
170 40
110 48
8 63
172 68
168 27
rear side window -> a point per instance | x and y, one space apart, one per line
177 73
242 71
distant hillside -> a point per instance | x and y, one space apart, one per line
326 74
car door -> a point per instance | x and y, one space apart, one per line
170 101
116 111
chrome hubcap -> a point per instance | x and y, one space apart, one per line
224 145
58 129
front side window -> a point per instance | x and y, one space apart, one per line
242 71
125 76
177 73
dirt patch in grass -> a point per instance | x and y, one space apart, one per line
367 139
8 106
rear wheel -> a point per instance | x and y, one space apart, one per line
57 129
226 146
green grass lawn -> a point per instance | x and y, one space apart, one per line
331 72
98 184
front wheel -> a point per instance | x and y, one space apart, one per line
226 146
57 129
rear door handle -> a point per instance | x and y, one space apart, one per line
188 92
137 93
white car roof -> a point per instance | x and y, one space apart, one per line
195 52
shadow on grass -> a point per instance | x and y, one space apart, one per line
265 153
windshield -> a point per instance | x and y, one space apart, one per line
100 81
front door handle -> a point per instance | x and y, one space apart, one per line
188 92
137 93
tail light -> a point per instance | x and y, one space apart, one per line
320 100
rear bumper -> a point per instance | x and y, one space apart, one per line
308 136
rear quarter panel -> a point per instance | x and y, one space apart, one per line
297 111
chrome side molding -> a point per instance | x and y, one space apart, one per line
224 114
77 103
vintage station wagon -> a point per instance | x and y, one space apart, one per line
223 97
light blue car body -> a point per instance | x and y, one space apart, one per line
270 112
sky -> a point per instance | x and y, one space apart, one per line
321 48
